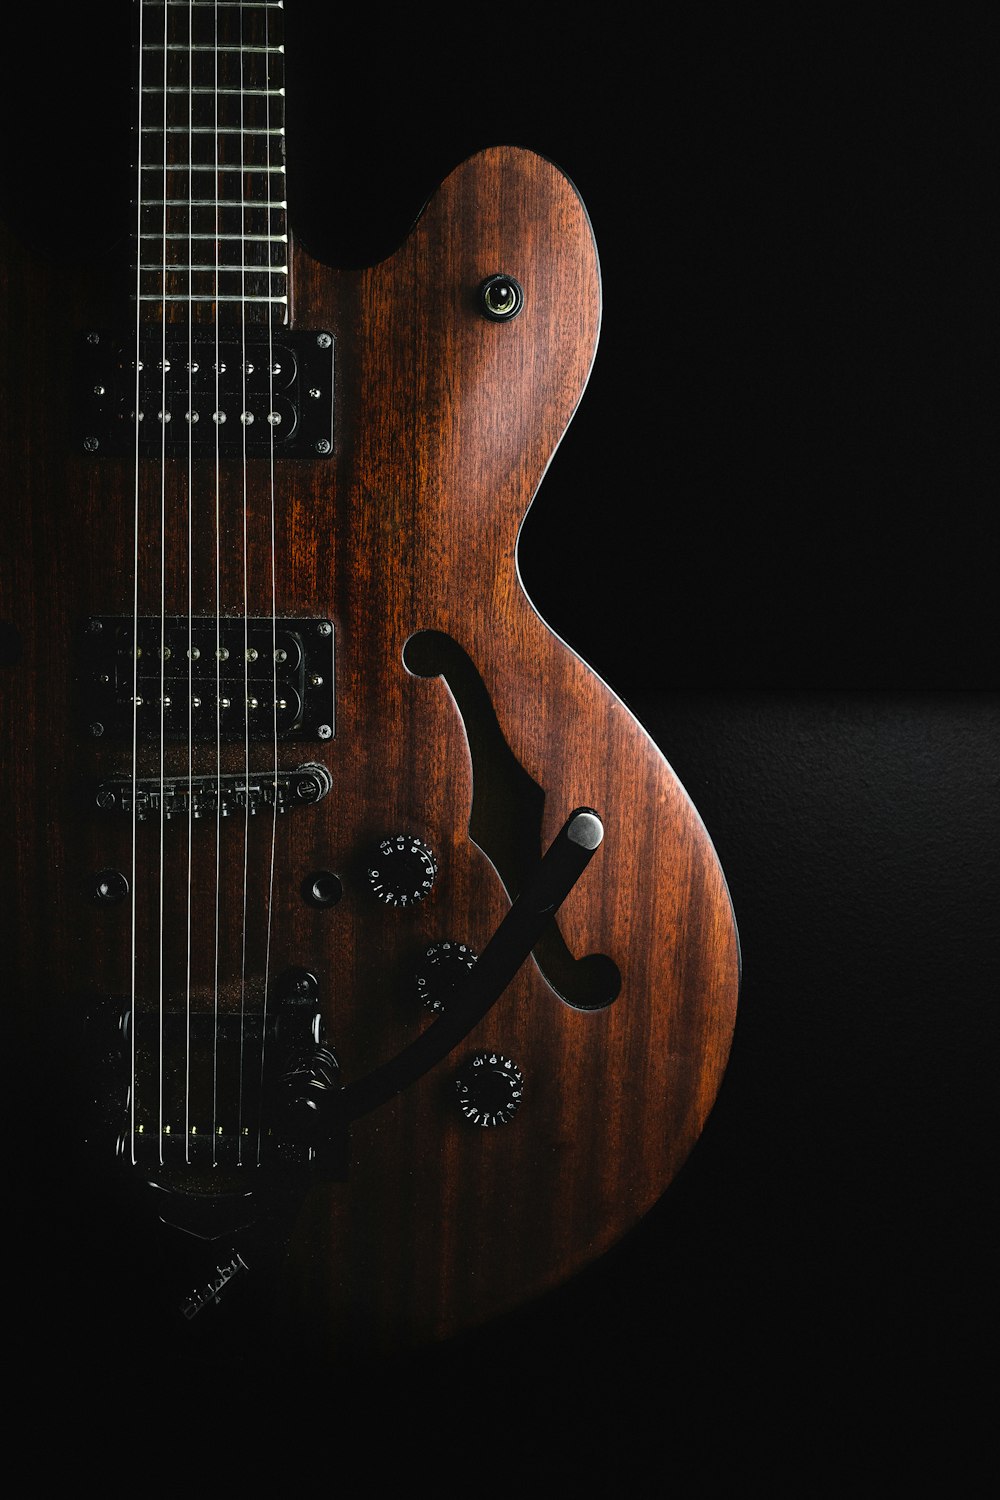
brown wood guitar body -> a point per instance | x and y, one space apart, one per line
445 423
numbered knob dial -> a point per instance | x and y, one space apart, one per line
441 970
402 870
489 1088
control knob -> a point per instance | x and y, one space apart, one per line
402 870
442 969
489 1089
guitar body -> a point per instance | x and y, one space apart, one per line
460 720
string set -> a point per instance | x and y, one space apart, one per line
201 487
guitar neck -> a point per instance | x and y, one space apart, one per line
211 211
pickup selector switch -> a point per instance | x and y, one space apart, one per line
489 1089
441 970
402 870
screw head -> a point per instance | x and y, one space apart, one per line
97 730
91 444
324 340
322 888
325 732
301 983
110 886
323 445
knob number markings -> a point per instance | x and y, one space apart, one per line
489 1088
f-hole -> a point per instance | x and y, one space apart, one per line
506 817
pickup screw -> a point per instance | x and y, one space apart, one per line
323 446
324 340
95 627
91 444
325 732
99 390
93 338
315 392
315 680
106 798
97 730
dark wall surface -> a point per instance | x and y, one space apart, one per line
790 418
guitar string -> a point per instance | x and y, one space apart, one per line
246 622
217 423
271 419
133 1048
163 1122
190 572
163 571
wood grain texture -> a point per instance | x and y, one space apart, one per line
445 423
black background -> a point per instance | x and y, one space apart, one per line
769 528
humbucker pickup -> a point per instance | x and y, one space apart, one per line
237 396
204 679
201 796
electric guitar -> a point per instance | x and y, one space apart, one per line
397 970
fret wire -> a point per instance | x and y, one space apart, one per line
208 47
271 207
210 130
222 297
159 268
221 4
184 236
205 166
182 88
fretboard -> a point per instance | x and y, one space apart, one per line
211 224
